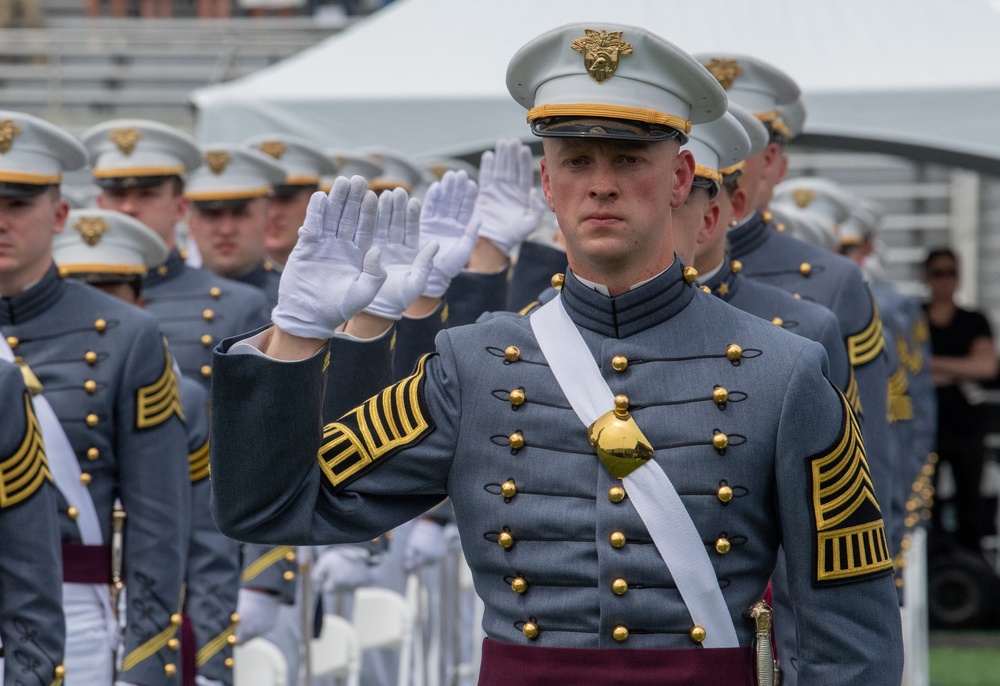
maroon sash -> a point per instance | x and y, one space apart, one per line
86 564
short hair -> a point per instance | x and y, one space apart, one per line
935 253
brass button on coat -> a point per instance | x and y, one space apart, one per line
616 494
508 489
517 397
620 633
733 352
690 275
618 540
12 341
516 440
805 269
92 420
208 315
723 546
90 386
720 395
90 357
100 325
93 453
288 576
206 340
174 644
697 634
215 292
232 640
720 441
530 630
234 618
619 586
176 619
505 540
229 663
778 321
206 371
736 266
519 585
162 270
512 353
169 669
72 513
725 494
85 478
557 281
619 363
290 556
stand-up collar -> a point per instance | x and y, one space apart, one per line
629 313
750 236
32 302
258 276
169 269
724 282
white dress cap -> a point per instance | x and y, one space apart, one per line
232 172
642 86
794 116
304 165
756 85
398 171
805 226
717 145
139 152
818 196
34 153
862 225
105 242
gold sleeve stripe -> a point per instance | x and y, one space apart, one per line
23 473
850 535
864 346
212 648
852 393
269 558
149 648
160 400
380 426
900 404
198 463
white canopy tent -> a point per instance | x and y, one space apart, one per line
427 76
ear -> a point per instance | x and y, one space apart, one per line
709 222
99 201
546 187
683 176
781 168
181 206
739 200
61 211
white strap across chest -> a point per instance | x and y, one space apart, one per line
648 487
63 463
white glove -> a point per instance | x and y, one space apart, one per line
258 612
508 208
446 219
341 569
333 271
200 680
406 263
425 545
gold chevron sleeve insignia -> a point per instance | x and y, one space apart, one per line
850 536
23 473
213 647
852 393
376 429
900 404
153 645
271 557
160 400
198 463
864 346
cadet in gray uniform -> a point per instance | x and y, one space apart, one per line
212 573
140 166
108 376
747 443
32 629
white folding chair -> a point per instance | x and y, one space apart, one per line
382 619
336 652
258 662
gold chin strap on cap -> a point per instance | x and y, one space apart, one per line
619 441
772 119
609 112
706 173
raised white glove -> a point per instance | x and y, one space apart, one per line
447 219
508 208
341 569
258 612
426 544
406 263
200 680
333 271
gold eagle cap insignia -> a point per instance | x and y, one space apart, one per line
91 229
125 139
803 197
8 132
601 51
273 148
217 160
725 72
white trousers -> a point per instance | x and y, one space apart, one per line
90 644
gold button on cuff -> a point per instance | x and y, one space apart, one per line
93 453
619 633
512 353
206 340
619 586
805 269
557 281
229 663
162 270
725 494
616 494
517 397
290 556
232 640
697 634
72 513
208 315
90 357
505 540
215 292
288 576
169 669
508 489
723 546
519 585
735 266
12 341
234 618
206 371
174 644
619 363
85 478
530 630
618 540
899 582
100 325
778 321
92 420
733 352
690 275
176 619
59 672
516 440
720 395
720 441
90 386
780 228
